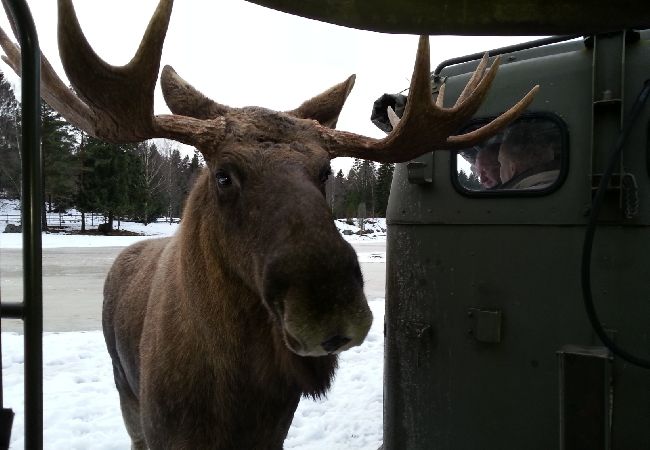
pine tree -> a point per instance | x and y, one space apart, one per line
361 187
336 192
178 177
469 181
176 184
352 195
60 163
382 189
10 158
151 204
193 171
110 181
368 179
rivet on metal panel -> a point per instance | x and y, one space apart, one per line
485 325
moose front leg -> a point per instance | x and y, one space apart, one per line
130 407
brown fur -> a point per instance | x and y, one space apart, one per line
201 326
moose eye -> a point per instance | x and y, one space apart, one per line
325 174
223 178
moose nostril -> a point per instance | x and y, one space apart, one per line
334 343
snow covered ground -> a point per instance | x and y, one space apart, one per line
374 230
81 408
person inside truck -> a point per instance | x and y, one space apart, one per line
527 156
486 166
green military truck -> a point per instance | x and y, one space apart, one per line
517 314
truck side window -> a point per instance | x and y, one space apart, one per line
528 155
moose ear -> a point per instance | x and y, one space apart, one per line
183 99
326 107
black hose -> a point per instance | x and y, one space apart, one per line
614 158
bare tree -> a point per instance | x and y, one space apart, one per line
167 148
10 169
361 215
152 176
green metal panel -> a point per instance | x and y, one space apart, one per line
482 293
446 390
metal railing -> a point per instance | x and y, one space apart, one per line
55 219
30 310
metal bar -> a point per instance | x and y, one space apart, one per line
503 50
6 422
32 195
13 310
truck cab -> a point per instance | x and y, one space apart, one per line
488 340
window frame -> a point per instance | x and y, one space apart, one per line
509 193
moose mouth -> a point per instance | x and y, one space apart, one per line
293 343
330 346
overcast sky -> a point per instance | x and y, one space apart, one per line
241 54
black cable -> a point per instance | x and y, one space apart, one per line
614 158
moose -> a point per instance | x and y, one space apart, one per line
216 333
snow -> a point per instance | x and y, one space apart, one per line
81 407
10 212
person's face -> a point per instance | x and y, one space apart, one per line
507 167
487 168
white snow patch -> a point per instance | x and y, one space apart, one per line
375 231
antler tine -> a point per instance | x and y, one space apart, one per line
426 126
177 92
419 98
469 102
122 97
114 103
393 118
476 77
53 89
440 99
10 16
480 134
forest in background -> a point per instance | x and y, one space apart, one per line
145 181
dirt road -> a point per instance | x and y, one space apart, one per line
73 280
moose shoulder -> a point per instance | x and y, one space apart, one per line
216 332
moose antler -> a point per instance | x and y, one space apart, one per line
116 103
427 126
113 103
